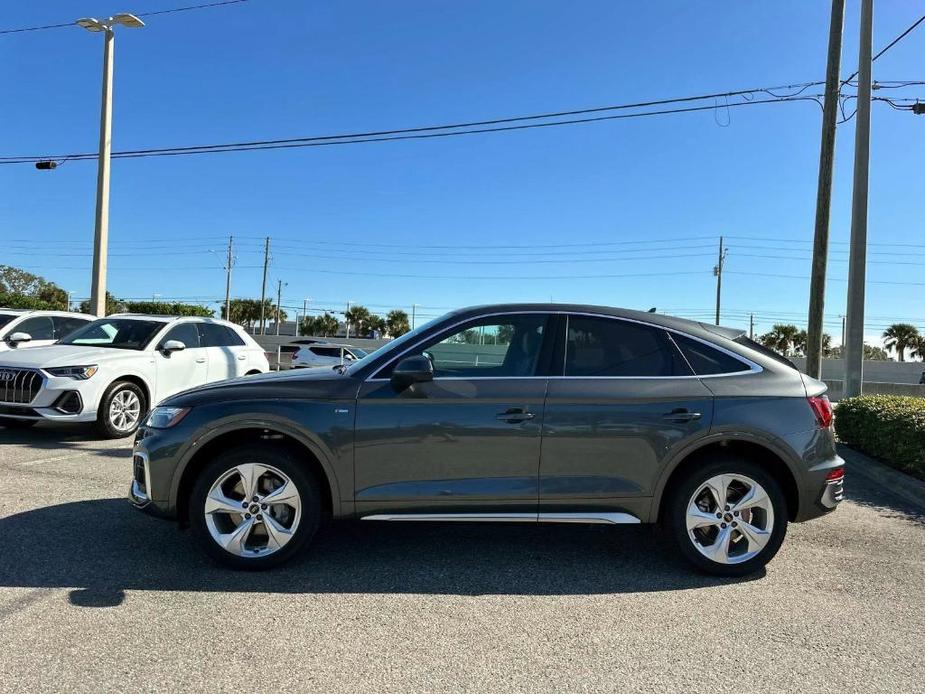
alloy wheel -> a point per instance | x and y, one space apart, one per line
730 518
253 510
125 410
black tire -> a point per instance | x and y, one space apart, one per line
676 515
106 428
287 462
10 423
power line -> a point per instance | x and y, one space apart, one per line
139 14
418 133
890 45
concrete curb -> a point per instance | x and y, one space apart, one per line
900 484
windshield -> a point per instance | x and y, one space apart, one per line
6 318
117 333
395 344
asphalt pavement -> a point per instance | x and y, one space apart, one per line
97 597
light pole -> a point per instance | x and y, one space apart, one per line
347 321
101 231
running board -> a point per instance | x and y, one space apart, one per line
605 518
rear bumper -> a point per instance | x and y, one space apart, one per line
820 494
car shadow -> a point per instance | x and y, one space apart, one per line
102 548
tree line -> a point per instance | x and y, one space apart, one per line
790 341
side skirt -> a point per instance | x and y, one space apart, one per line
604 518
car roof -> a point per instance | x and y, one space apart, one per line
40 312
173 319
661 319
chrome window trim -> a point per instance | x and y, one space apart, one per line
753 368
589 517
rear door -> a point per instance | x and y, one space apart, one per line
625 399
467 442
227 351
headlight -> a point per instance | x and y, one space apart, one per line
165 417
81 373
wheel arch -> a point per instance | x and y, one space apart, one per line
205 448
130 378
771 458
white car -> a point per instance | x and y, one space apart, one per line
20 329
325 354
113 370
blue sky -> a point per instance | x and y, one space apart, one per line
664 188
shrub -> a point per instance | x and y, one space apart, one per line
889 427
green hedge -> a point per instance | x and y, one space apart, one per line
889 427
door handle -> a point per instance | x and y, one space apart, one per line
681 415
242 357
515 415
201 360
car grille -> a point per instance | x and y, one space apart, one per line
19 385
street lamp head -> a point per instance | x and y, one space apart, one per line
91 24
128 20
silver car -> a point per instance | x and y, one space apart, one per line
325 354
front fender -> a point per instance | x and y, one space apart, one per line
332 461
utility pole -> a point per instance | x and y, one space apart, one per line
229 262
824 193
413 311
347 322
298 327
751 326
843 335
279 300
857 260
718 271
263 291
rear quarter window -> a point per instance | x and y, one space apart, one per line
706 360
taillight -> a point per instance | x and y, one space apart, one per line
822 408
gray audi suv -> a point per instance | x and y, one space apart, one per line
535 413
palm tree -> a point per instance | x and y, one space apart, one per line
898 337
781 338
918 348
358 319
396 323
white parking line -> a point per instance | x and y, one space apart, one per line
53 459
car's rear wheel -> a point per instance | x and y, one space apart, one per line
254 507
121 409
11 423
729 517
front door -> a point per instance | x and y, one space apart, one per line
469 441
182 369
627 400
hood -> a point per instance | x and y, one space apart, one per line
64 355
313 384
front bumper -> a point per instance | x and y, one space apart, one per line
155 458
59 399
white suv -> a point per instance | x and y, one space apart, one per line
19 329
325 354
114 369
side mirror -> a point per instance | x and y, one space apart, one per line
16 338
172 346
411 370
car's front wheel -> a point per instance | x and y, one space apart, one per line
254 507
121 409
728 517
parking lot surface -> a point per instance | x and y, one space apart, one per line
95 596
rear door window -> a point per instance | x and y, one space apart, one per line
608 347
215 335
65 326
706 360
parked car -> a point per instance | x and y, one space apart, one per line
20 329
112 370
325 354
529 412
